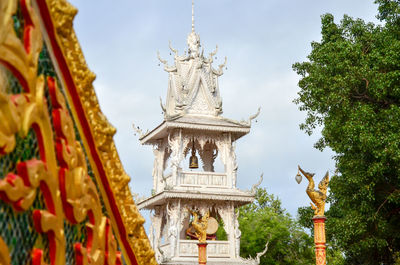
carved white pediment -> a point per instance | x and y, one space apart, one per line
193 86
201 103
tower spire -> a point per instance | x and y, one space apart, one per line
192 15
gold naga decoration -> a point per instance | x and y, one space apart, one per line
200 225
61 173
318 197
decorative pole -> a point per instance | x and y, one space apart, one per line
201 233
319 240
318 197
202 253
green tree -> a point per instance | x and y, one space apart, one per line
265 220
351 87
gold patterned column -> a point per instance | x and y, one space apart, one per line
202 253
319 240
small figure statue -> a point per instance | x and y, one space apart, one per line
200 226
173 228
193 41
318 197
238 235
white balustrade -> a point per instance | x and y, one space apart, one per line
202 179
215 249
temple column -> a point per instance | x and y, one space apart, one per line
226 212
208 157
156 221
228 158
232 238
176 146
158 167
238 235
234 164
224 150
183 222
173 227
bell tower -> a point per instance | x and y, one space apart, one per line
194 129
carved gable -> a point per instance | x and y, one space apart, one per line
193 86
201 103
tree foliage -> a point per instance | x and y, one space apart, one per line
264 220
351 87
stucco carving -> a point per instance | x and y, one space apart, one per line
238 235
188 248
208 153
193 82
256 260
255 186
173 226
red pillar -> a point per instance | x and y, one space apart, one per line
319 240
202 253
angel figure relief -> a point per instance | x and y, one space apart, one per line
318 197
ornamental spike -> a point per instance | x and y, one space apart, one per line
172 49
192 15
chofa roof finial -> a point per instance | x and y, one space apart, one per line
193 39
192 15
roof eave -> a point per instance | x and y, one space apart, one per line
158 133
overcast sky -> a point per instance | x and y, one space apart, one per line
261 39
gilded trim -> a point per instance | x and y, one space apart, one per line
60 174
57 17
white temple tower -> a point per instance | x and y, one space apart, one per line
193 123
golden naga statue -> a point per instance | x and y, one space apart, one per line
318 197
200 225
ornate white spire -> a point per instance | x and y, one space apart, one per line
193 39
192 15
193 82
